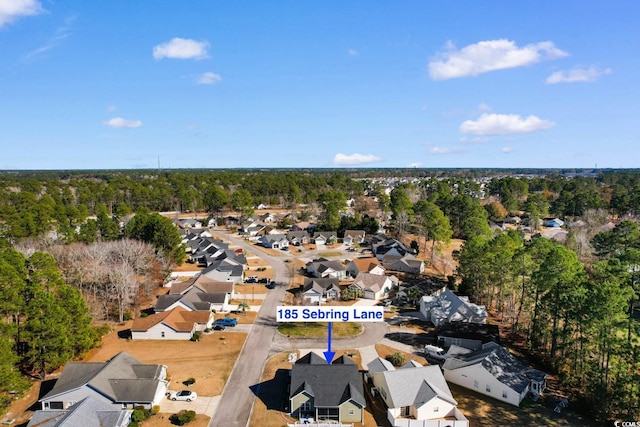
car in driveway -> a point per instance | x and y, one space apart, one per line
227 321
187 395
218 327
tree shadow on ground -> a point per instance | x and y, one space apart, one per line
272 392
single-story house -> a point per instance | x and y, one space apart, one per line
203 294
367 265
274 241
88 412
468 335
352 237
175 324
372 286
325 268
553 222
190 223
449 307
390 246
493 371
297 238
405 263
316 291
122 381
327 392
417 393
325 237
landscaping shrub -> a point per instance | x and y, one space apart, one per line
196 336
155 409
396 359
189 381
183 417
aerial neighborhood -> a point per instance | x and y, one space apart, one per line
476 318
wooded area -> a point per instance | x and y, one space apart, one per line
83 245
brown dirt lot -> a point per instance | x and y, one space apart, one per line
209 361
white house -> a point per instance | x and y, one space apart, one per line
493 371
121 381
416 395
352 237
274 241
449 307
373 286
316 291
176 324
325 268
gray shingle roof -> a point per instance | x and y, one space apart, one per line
330 385
111 379
416 386
498 362
89 412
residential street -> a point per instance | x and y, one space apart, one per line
263 341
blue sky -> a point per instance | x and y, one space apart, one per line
211 84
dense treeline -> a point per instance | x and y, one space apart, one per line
578 317
45 322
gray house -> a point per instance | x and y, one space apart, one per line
89 412
316 290
123 382
324 392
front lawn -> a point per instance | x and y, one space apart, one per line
319 329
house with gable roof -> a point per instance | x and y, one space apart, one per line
372 286
274 241
325 237
297 238
316 291
197 294
327 392
405 263
352 237
88 412
323 267
122 381
175 324
415 395
449 307
367 265
493 371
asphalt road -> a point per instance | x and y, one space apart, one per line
237 398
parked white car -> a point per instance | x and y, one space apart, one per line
183 395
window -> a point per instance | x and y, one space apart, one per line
306 406
436 409
162 334
475 384
488 388
351 411
504 394
405 411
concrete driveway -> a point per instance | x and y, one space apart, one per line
202 405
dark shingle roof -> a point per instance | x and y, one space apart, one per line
330 385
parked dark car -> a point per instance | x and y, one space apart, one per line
218 327
271 285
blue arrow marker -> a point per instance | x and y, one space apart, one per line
329 354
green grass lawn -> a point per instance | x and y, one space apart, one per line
319 329
328 254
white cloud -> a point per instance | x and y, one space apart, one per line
178 48
502 124
208 78
354 159
444 150
414 165
120 123
352 52
10 10
489 55
506 150
578 75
